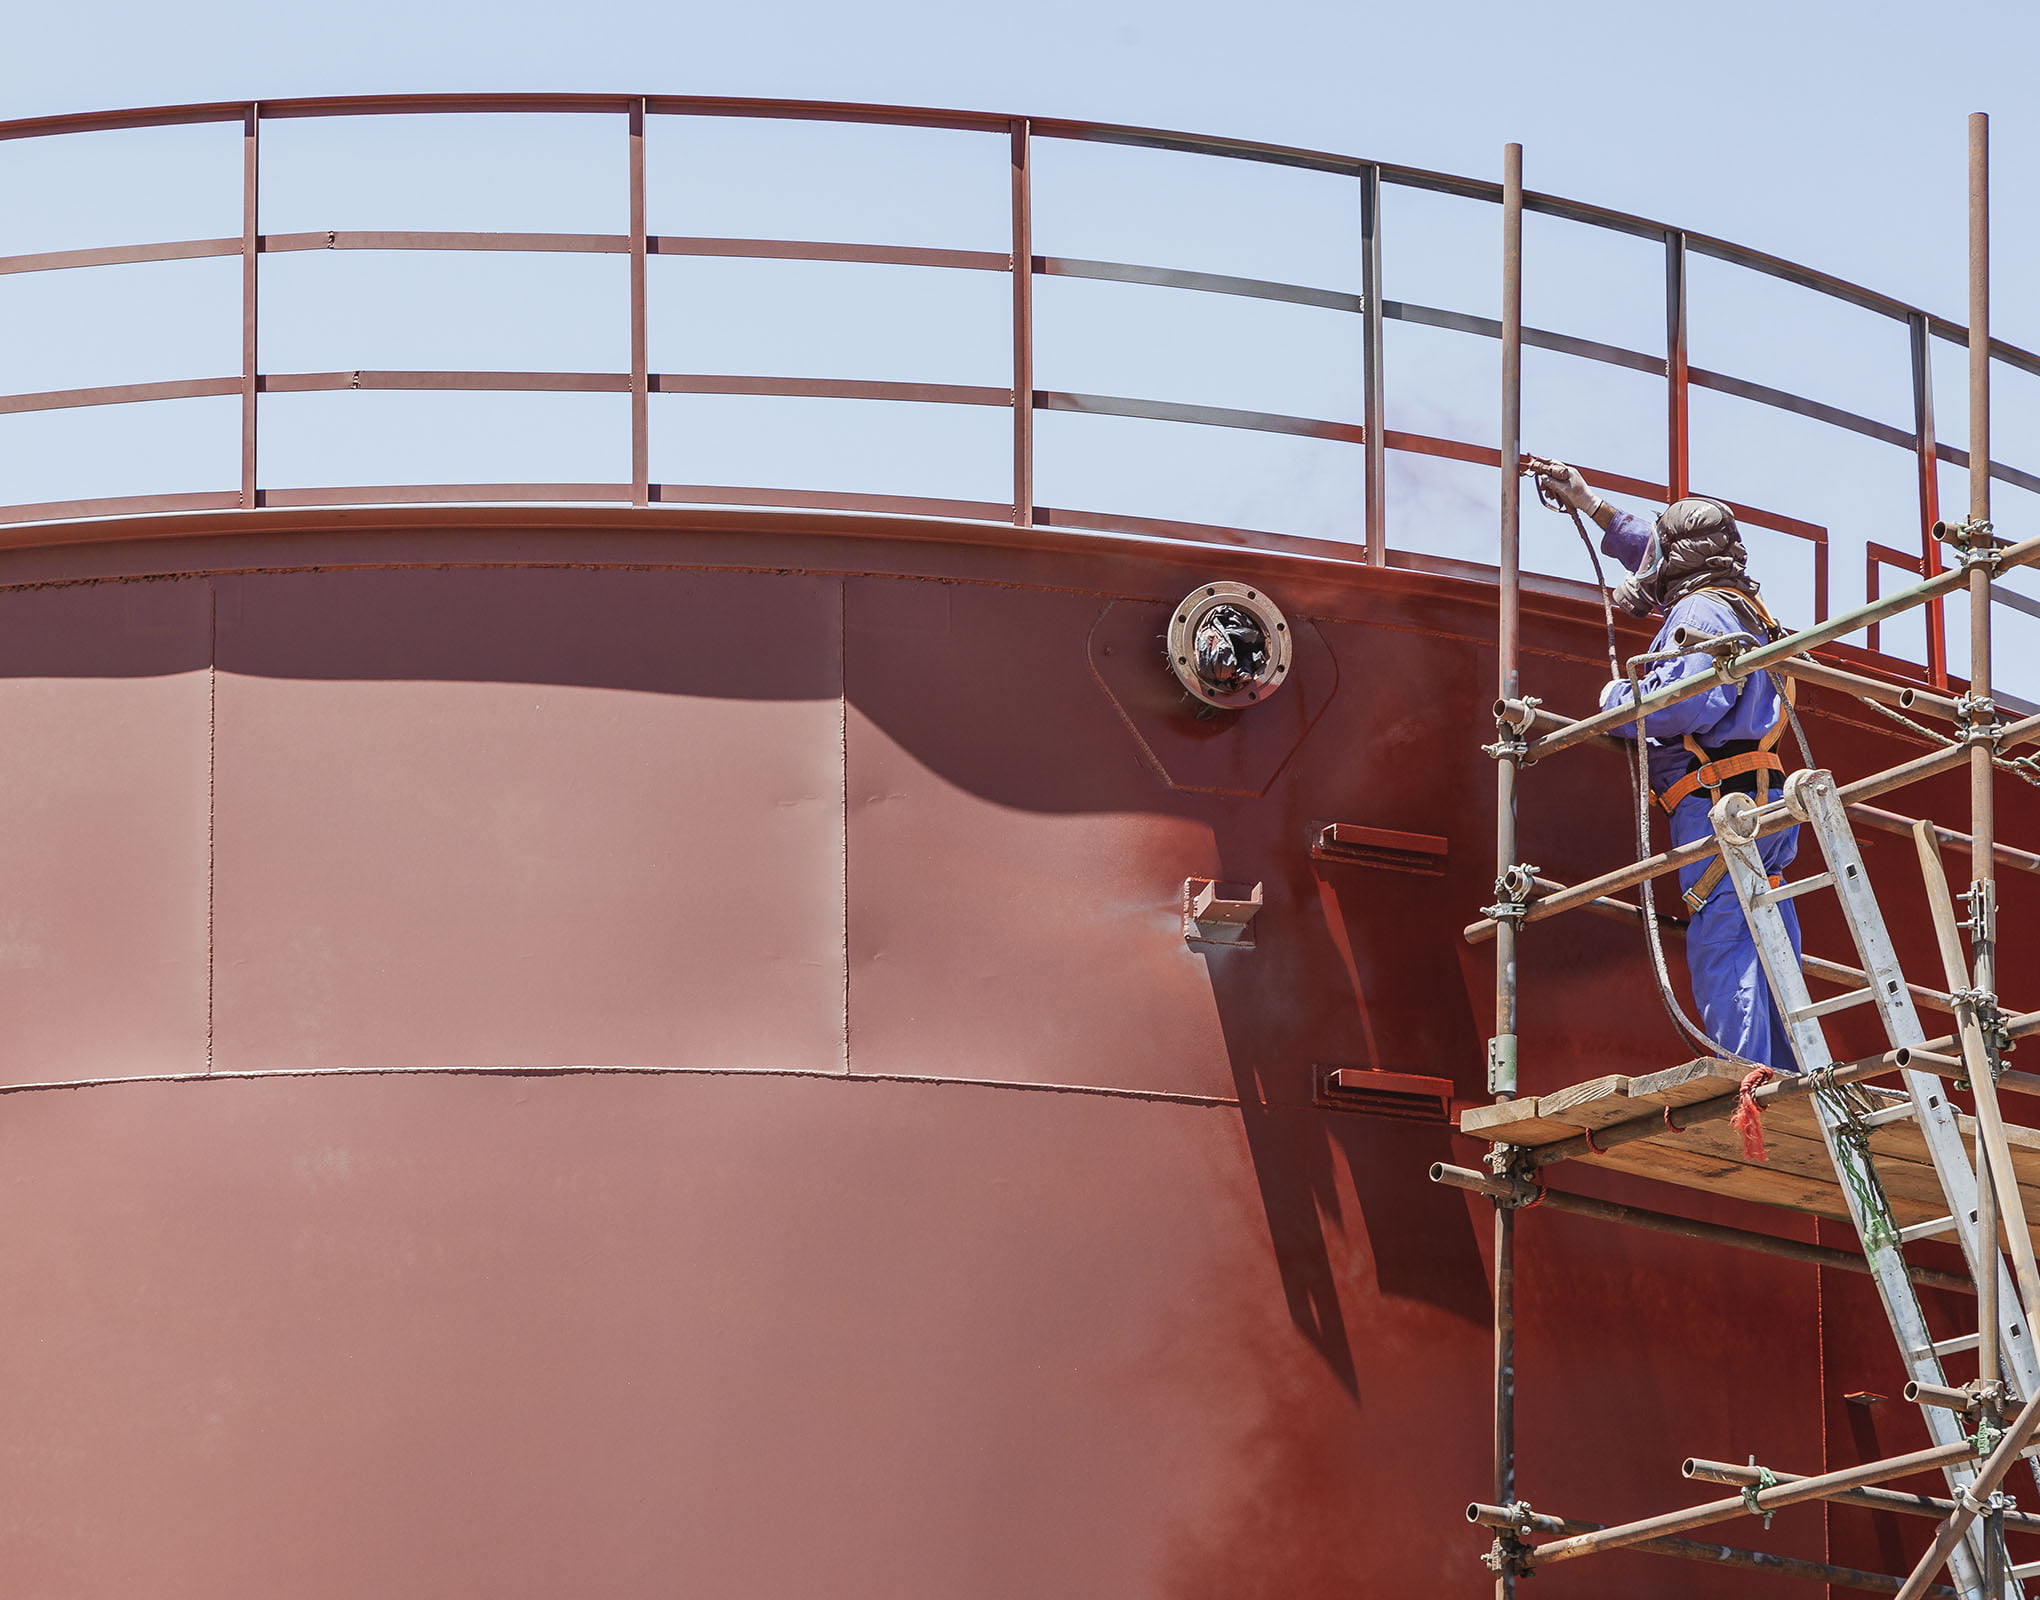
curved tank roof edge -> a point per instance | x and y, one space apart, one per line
1297 557
1308 560
649 519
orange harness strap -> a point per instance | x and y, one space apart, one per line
1710 775
1696 898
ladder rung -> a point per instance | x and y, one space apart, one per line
1786 891
1841 1002
1926 1230
1955 1346
1897 1113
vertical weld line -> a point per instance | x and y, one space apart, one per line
212 768
843 758
1821 1374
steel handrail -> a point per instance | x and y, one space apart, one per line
1025 397
1218 145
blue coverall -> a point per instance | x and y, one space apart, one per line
1737 1009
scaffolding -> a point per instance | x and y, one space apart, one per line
1895 1161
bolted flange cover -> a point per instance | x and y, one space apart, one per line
1229 645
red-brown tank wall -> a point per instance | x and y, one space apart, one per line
806 828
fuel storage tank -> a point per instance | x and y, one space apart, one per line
793 1044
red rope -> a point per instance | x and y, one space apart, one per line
1669 1123
1588 1135
1532 1205
1749 1116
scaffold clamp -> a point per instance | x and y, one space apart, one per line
1513 719
1991 1020
1512 893
1976 720
1766 1479
1509 1555
1981 923
1512 1164
1501 1064
1975 538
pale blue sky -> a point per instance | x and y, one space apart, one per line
1832 134
1826 132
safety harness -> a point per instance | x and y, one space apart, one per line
1715 770
1717 766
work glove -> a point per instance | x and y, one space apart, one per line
1565 484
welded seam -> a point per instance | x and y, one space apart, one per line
843 771
1321 613
826 1075
1820 1368
703 567
212 748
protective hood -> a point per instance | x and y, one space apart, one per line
1694 545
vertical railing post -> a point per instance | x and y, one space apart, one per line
1374 412
1023 329
1929 491
1678 427
640 399
1502 1051
251 240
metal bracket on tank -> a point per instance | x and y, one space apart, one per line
1216 913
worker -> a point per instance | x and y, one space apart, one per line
1690 566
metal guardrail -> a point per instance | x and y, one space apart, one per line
1022 398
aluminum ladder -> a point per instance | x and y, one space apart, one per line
1813 798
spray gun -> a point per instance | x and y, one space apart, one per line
1544 470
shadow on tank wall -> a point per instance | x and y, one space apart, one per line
1021 789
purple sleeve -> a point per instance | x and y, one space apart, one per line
1626 538
1701 710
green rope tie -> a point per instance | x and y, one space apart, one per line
1852 1139
1987 1437
1766 1479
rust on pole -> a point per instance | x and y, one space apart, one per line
640 359
1023 327
1678 430
251 239
1373 399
